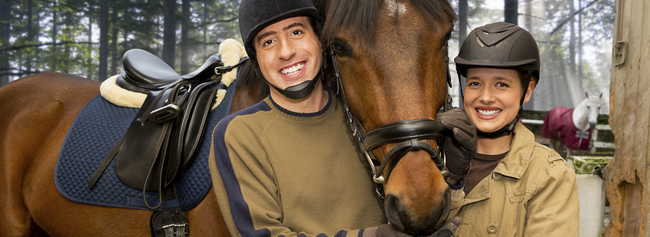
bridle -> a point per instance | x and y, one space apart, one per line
408 134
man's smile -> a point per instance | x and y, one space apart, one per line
293 70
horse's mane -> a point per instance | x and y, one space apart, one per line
360 15
249 79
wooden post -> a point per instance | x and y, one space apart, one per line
593 140
626 176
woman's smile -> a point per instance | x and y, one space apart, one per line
488 113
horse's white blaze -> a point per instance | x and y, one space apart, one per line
395 8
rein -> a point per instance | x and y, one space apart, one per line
408 134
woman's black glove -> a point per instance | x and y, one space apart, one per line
460 145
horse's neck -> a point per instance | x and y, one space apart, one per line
581 116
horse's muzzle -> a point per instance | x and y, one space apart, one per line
401 218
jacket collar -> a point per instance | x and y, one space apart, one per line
521 149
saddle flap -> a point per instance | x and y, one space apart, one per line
196 125
140 147
156 153
188 132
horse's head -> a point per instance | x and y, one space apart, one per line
391 56
585 115
593 108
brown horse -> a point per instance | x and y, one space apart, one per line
391 57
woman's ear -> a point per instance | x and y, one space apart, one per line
529 92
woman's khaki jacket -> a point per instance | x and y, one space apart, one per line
531 192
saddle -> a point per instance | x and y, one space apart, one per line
167 130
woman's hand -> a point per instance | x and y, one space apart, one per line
460 147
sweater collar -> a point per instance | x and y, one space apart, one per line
306 115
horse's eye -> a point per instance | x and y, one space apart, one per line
338 48
588 107
448 37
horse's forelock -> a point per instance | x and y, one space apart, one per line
361 15
441 10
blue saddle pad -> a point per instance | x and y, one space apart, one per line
95 130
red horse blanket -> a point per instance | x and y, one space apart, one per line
558 125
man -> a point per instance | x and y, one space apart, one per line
289 165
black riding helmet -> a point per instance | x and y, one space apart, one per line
255 15
501 45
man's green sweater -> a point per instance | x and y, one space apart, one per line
280 173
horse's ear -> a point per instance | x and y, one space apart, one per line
587 94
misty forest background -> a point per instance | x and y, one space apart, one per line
88 38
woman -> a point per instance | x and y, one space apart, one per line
515 186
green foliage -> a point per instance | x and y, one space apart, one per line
587 164
70 42
74 47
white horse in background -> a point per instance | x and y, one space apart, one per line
585 115
572 127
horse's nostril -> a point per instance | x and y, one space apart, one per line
393 209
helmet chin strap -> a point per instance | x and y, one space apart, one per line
301 90
506 130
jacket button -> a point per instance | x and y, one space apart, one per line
497 176
492 229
